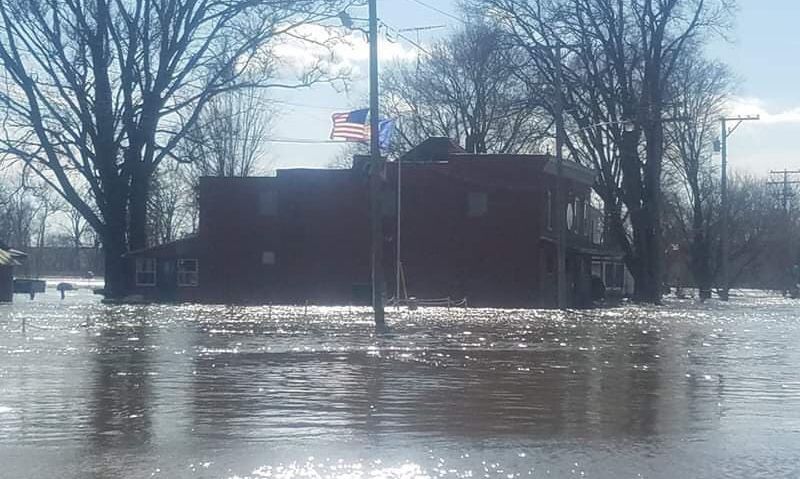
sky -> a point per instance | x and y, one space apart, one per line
763 50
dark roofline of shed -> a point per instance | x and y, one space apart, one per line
189 240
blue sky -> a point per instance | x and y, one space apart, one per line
764 52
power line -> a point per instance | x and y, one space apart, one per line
301 141
438 10
305 105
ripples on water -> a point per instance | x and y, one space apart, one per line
687 390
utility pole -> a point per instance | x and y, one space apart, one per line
724 288
376 172
398 258
785 193
561 255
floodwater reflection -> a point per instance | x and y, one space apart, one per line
194 391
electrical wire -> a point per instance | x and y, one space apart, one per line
438 10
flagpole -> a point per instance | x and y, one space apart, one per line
376 174
398 265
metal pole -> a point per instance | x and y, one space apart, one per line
723 240
560 203
399 263
375 173
724 289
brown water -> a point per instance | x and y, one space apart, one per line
93 391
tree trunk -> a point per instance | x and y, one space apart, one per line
653 251
138 212
116 272
634 192
115 245
699 249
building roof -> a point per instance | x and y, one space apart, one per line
442 149
182 247
7 258
433 149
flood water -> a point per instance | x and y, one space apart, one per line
686 390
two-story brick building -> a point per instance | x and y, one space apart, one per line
480 227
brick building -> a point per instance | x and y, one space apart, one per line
480 227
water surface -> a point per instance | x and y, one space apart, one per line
686 390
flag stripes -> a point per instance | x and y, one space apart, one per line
351 126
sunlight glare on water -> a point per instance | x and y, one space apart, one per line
684 390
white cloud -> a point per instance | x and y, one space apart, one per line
755 106
335 49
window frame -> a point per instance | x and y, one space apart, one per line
269 258
477 204
268 203
181 274
141 270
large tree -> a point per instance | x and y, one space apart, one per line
97 93
618 57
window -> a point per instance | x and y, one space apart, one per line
477 204
145 271
608 280
580 210
549 210
268 258
548 259
588 219
188 272
268 203
619 276
570 216
597 269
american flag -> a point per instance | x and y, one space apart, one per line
351 126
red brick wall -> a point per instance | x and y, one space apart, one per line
320 234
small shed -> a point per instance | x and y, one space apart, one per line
168 272
8 259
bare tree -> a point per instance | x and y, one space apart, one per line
230 138
17 213
466 89
99 93
171 204
48 204
620 56
700 90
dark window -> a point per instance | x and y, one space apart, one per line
145 271
477 204
268 258
268 203
580 210
188 272
549 210
550 261
620 276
